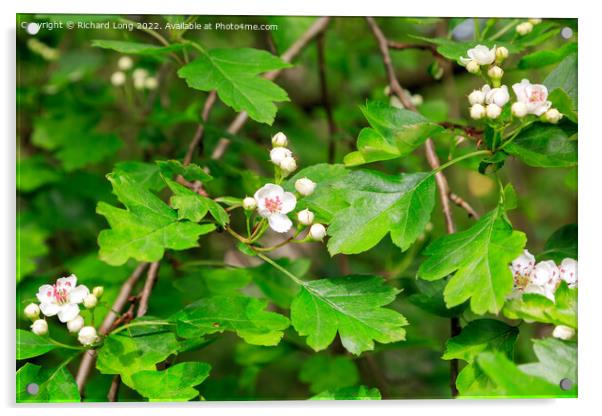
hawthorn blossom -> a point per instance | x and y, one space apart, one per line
568 272
305 186
273 203
480 54
62 298
534 96
279 140
523 265
498 96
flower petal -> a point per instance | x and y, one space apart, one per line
68 312
49 309
78 294
269 190
280 223
45 293
67 283
289 201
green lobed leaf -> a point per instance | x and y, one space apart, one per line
192 172
146 174
214 280
243 315
55 385
325 372
393 133
349 393
192 206
276 286
564 76
34 172
145 228
31 245
557 361
173 384
561 244
545 145
234 74
478 258
136 48
380 204
430 298
351 306
547 57
31 345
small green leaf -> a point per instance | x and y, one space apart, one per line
563 103
136 48
546 57
561 244
234 74
564 76
325 372
351 306
55 385
192 172
173 384
34 172
146 174
545 145
31 245
349 393
194 207
31 345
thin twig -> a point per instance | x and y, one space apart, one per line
332 128
404 46
240 120
464 205
151 278
198 134
89 357
114 389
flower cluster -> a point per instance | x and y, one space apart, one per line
542 278
273 203
526 27
63 299
140 76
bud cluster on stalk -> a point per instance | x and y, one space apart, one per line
141 79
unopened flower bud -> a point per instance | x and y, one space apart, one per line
39 327
493 111
477 111
98 291
501 53
125 63
305 186
75 324
519 109
249 203
495 73
524 28
90 301
288 164
473 67
563 332
535 21
151 83
87 335
279 140
118 79
32 311
317 232
476 97
278 154
305 217
552 116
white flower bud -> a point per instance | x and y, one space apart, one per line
519 109
249 203
552 116
473 67
118 79
495 73
32 311
493 111
498 96
125 63
317 232
305 217
279 140
39 327
75 324
476 97
535 21
477 111
90 301
98 291
568 271
305 186
524 28
563 332
417 100
87 335
140 73
151 83
501 53
288 164
277 154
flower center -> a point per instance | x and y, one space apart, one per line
536 96
274 205
60 295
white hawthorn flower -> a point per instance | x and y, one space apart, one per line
317 232
493 111
305 186
62 298
552 116
523 265
568 271
288 165
98 291
524 28
278 154
273 203
545 273
498 96
90 301
32 311
417 100
563 332
305 217
139 75
39 327
477 111
279 140
480 54
125 63
495 73
534 96
75 324
519 109
118 79
540 290
87 335
249 203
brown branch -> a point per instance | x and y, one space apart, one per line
198 134
332 128
316 28
404 46
114 389
151 278
464 205
89 357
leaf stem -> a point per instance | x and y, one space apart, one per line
503 30
67 346
460 158
140 323
280 268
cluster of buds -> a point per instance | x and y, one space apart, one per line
281 156
140 76
488 102
526 27
480 56
63 299
542 278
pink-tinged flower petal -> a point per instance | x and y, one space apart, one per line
268 191
49 309
68 312
78 294
45 293
289 201
520 90
280 223
67 283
